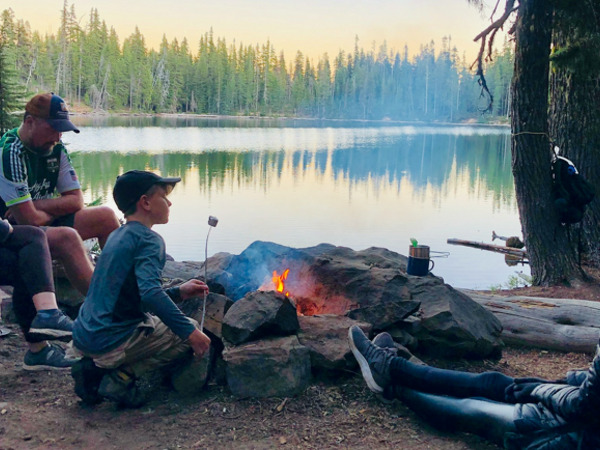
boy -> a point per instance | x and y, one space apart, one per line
118 338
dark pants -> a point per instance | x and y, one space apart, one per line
454 400
26 265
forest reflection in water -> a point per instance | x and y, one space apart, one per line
303 185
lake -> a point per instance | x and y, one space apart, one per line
300 183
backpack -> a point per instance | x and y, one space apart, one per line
571 191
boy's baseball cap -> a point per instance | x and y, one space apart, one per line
130 186
51 107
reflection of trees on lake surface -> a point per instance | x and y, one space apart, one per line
425 161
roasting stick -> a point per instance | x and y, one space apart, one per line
212 221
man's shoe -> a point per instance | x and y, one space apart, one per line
52 357
373 361
51 326
120 387
87 377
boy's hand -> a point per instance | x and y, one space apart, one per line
192 288
199 342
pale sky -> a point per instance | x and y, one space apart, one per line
311 26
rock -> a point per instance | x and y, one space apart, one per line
191 377
185 270
452 324
326 336
272 367
66 294
217 306
260 314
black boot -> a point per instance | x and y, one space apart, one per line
87 378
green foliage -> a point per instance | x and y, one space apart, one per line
86 63
11 93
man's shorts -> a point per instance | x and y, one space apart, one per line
67 220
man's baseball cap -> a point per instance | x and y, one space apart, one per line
130 186
53 109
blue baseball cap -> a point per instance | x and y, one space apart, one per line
53 109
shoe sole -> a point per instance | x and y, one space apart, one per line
50 334
364 366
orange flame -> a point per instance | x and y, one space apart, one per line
279 281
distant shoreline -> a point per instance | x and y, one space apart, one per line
471 123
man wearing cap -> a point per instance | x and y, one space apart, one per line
128 323
34 167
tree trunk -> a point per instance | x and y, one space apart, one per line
551 257
575 127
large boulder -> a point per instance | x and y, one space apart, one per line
272 367
259 314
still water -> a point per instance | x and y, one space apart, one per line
301 183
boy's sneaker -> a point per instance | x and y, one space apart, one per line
53 325
52 357
121 387
386 342
374 362
87 377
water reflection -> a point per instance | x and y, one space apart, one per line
357 187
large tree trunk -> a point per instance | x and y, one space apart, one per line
575 126
550 255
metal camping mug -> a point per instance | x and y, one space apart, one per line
418 261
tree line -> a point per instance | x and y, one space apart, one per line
88 64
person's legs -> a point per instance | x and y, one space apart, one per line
382 369
67 247
98 222
27 266
488 419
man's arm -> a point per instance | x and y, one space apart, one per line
26 214
67 203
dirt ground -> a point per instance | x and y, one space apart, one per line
39 410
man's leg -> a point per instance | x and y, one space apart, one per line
67 247
488 419
98 222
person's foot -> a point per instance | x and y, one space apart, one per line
373 361
87 377
51 357
386 342
54 325
120 387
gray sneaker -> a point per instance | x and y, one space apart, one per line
386 342
373 361
52 357
51 326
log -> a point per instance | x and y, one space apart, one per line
490 247
564 325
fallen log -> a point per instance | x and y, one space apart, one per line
490 247
552 324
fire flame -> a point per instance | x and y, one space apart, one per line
279 281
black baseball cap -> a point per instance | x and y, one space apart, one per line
130 186
53 109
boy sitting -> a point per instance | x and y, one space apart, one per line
117 337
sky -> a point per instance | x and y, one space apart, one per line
312 26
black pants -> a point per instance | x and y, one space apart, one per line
26 265
454 400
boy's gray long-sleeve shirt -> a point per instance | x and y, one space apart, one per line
125 286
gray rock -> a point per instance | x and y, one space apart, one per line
272 367
326 336
260 314
191 377
216 307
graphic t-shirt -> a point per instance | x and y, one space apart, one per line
26 176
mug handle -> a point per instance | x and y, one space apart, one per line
432 264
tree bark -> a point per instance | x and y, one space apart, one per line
551 257
575 126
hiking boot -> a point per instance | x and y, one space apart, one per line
52 357
53 325
120 387
373 361
87 377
